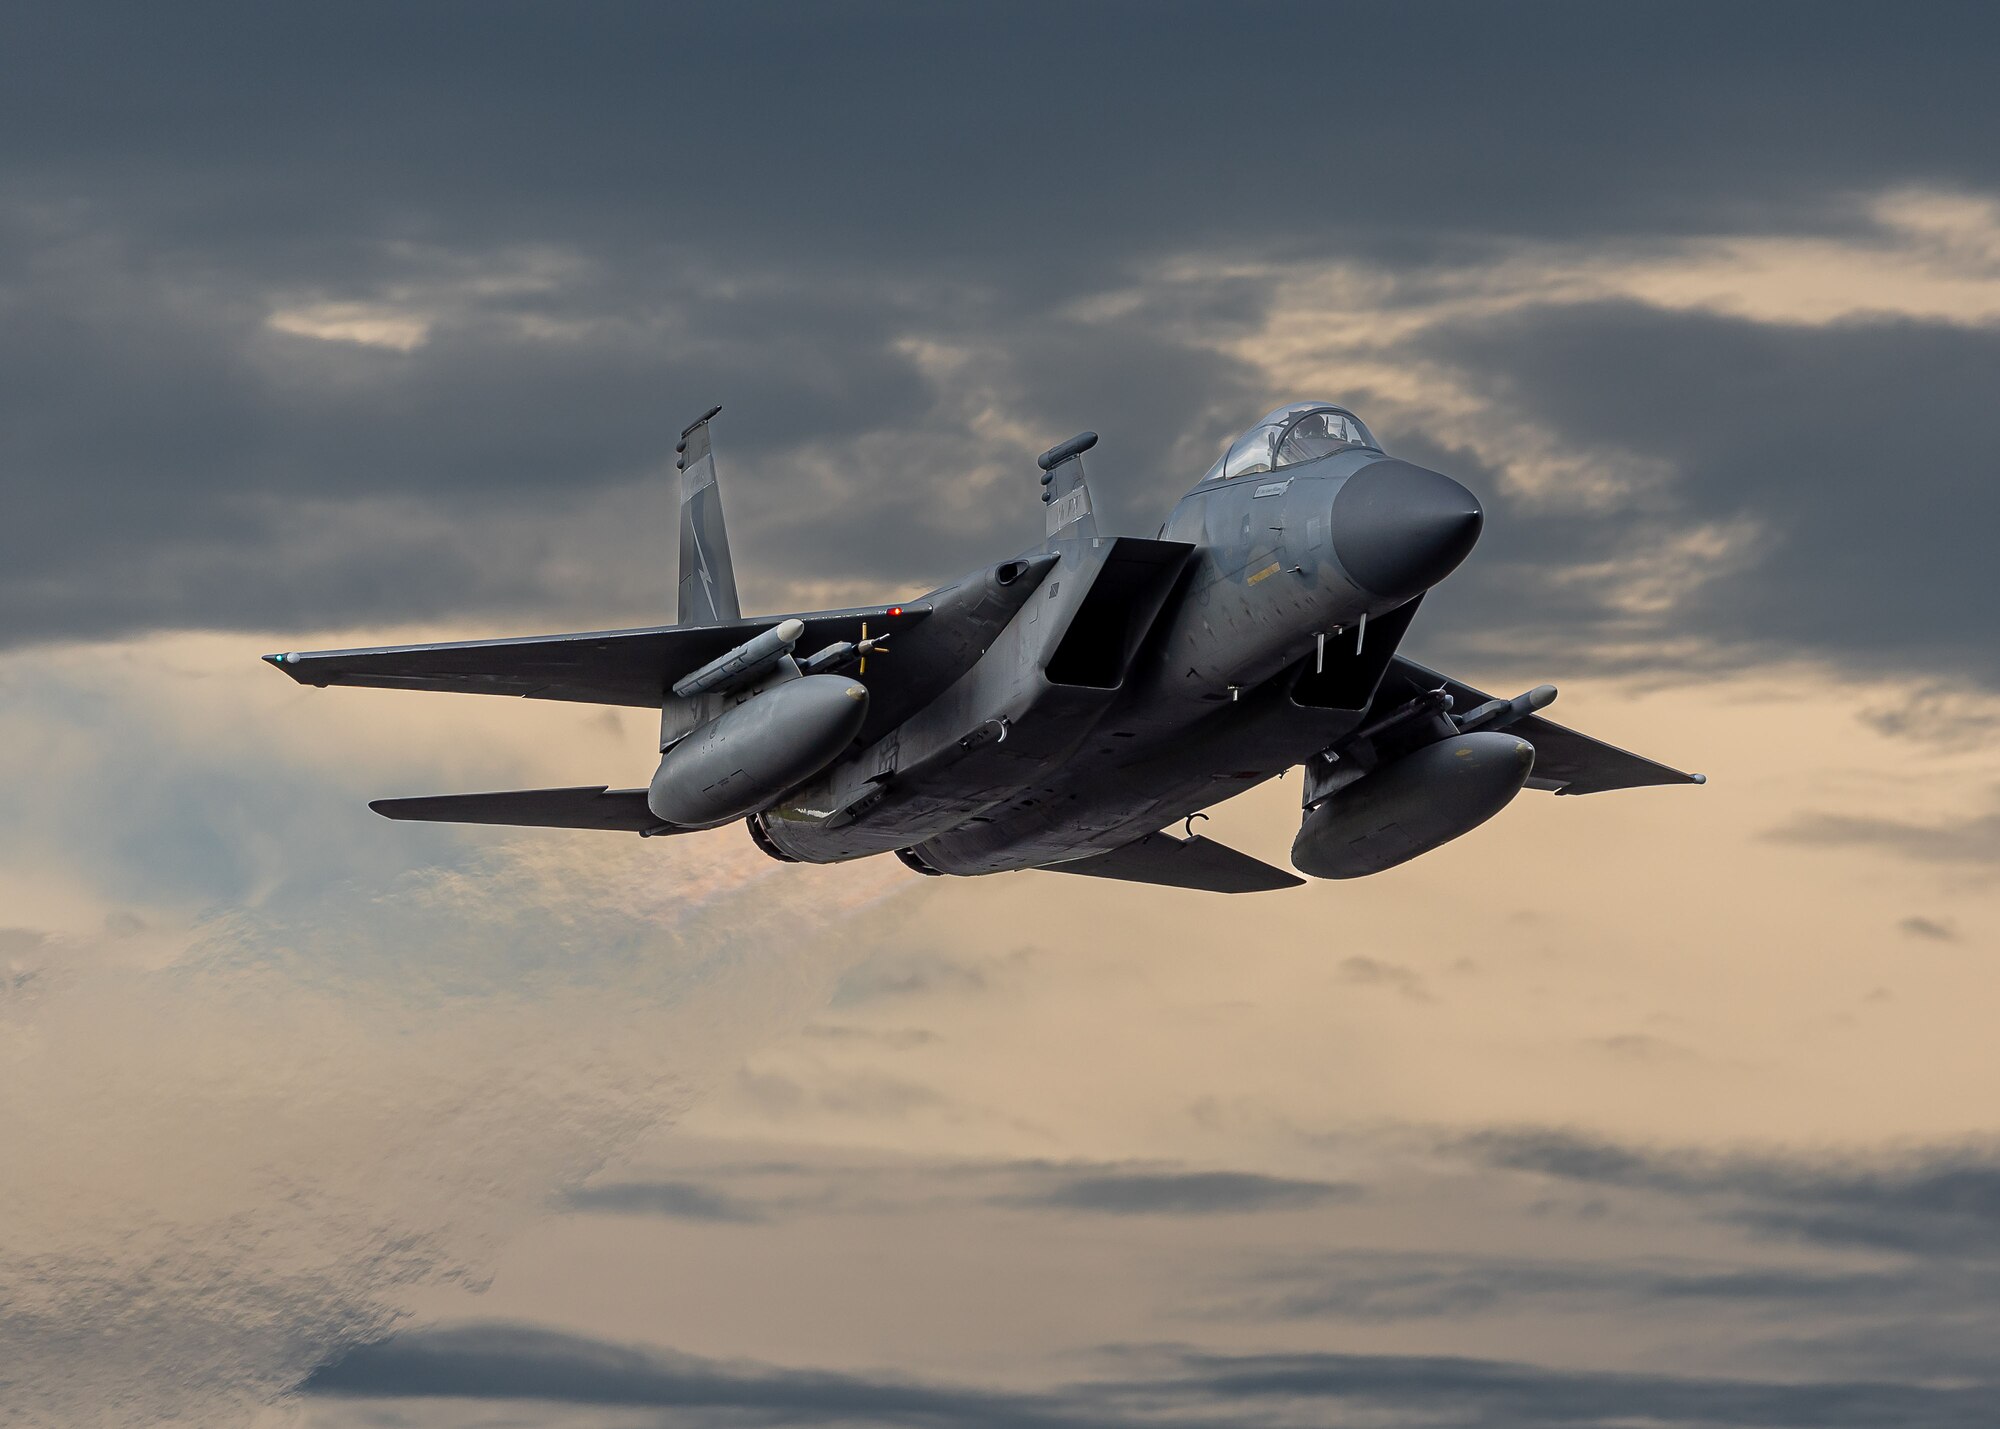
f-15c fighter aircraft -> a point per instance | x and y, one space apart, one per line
1066 708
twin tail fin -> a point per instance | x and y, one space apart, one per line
707 576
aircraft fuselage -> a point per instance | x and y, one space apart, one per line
1059 740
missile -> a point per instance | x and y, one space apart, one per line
1498 714
842 653
748 662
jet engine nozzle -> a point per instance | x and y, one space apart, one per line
1399 529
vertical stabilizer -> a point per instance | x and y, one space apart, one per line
1066 494
708 579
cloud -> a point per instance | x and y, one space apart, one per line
284 1066
518 1362
420 351
1489 1394
1796 479
1642 1047
497 1361
1181 1193
896 974
1918 926
678 1200
1374 972
308 1111
367 112
1939 1202
1943 716
1974 840
1385 1287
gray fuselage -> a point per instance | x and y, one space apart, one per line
1140 681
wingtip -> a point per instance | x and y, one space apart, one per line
1697 778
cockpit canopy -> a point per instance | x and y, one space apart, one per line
1300 432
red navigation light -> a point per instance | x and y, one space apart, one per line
895 610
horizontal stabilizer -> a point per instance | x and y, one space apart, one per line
592 807
1565 761
1182 863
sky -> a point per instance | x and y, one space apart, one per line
331 325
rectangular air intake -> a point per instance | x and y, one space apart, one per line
1111 621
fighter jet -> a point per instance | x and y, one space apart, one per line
1067 708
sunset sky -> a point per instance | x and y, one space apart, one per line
351 324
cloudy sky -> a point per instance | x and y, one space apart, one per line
346 324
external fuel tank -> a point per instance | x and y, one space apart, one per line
1424 799
756 753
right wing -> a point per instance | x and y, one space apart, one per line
603 667
1565 761
1181 863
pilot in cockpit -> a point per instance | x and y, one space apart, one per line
1289 436
1319 434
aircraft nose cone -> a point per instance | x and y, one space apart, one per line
1399 529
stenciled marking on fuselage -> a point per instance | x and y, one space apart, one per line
1266 573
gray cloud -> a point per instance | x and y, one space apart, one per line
1918 926
898 974
1374 972
1861 451
1376 1287
1486 1394
1941 1202
1181 1193
676 1200
1974 840
1641 1047
521 1362
497 1361
1936 713
875 262
792 128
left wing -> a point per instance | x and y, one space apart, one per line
603 667
1565 761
